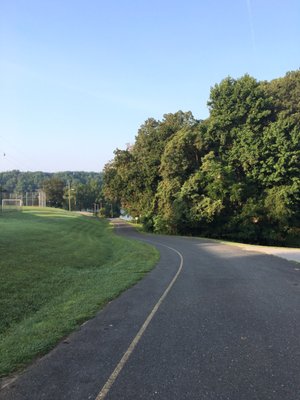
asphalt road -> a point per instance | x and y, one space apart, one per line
210 322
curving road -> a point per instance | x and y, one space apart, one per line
210 322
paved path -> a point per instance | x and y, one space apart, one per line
223 325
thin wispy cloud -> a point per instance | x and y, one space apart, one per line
108 94
251 25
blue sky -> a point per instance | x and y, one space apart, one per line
79 77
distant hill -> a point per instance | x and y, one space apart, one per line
17 181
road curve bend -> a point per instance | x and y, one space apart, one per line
210 322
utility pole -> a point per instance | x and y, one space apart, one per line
69 184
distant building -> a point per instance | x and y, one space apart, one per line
125 216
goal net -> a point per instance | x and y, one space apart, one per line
12 205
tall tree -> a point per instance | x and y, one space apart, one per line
235 175
54 189
181 157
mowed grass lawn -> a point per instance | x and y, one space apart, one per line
57 269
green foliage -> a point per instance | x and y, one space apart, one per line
86 194
20 182
234 175
86 187
133 177
54 189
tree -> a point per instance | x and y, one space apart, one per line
181 157
86 195
54 189
234 175
134 175
120 181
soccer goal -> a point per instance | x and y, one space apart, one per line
12 205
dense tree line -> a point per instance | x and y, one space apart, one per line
235 175
83 188
18 181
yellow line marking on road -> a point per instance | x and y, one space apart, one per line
102 394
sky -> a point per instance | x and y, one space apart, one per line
79 77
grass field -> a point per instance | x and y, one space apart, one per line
58 269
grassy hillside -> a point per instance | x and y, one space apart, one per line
56 270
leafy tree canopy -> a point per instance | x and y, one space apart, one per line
234 175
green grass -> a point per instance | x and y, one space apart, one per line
57 269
